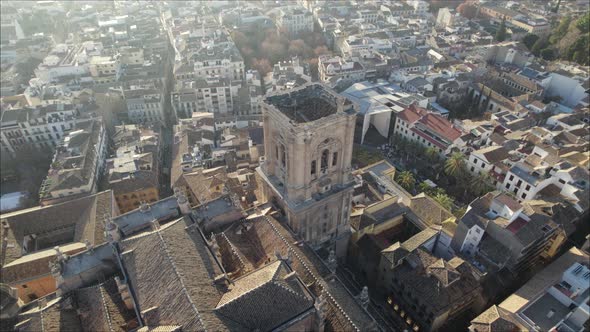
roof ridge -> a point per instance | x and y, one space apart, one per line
41 319
171 260
280 284
105 307
242 295
311 273
233 249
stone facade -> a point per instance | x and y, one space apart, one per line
308 138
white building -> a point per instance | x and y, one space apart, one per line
483 160
144 104
334 68
222 60
42 127
420 7
63 61
294 20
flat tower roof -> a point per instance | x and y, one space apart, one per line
310 103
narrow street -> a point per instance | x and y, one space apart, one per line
167 134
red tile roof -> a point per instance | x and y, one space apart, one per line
412 114
441 126
516 225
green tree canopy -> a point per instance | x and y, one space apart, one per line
561 30
431 154
480 184
406 180
455 164
501 33
445 200
583 23
529 40
547 54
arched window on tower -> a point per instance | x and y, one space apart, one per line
324 161
335 159
313 167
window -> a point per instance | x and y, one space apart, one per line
507 185
324 161
283 157
519 183
561 181
335 159
523 195
313 167
472 168
511 177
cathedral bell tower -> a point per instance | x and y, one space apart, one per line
308 139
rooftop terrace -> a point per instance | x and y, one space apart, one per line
307 104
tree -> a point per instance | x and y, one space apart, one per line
547 54
298 47
262 65
444 200
480 184
455 164
538 46
321 50
583 23
431 154
501 33
529 40
467 10
424 187
561 30
406 180
459 213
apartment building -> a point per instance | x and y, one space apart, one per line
104 69
427 128
134 170
484 160
334 68
145 104
39 127
294 20
543 171
555 299
355 43
501 233
222 59
77 165
212 94
287 75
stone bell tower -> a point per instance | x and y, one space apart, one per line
308 138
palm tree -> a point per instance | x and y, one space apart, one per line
406 180
424 187
480 184
431 154
444 200
455 164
